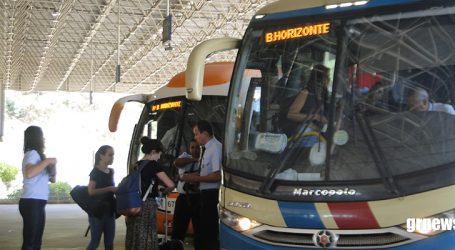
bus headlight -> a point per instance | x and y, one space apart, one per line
432 225
237 222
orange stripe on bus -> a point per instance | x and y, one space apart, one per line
215 74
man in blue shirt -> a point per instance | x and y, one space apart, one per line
209 178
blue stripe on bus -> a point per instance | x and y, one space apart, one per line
300 215
323 10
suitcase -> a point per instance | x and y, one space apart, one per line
167 244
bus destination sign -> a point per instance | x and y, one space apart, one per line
167 105
298 32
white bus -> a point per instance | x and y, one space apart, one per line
375 170
168 116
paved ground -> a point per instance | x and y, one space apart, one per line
65 228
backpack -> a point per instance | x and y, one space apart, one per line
128 194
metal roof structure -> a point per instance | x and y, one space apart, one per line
76 45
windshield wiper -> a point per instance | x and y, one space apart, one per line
377 153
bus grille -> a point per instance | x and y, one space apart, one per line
344 240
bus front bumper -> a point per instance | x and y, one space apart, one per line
232 240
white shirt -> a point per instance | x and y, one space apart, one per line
211 162
36 187
441 107
184 169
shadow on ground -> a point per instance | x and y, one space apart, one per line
65 228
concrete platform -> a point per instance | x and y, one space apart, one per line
65 228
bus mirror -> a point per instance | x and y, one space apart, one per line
115 115
194 74
118 107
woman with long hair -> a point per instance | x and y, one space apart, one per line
35 171
310 103
141 229
102 187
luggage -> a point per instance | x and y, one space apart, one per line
90 204
128 194
172 245
82 198
169 244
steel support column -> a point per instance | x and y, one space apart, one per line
2 109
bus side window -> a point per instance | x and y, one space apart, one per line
249 118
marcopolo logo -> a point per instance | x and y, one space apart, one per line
428 225
323 192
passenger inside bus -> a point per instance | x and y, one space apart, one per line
170 126
168 140
419 100
377 99
308 108
377 94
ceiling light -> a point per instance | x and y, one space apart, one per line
189 5
343 5
55 13
346 4
360 3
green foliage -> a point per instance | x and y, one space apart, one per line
7 174
15 195
26 112
10 108
60 191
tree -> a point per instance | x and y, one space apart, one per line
60 192
15 195
7 174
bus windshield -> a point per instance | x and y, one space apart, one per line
170 120
380 110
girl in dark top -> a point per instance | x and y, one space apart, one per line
141 229
102 186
